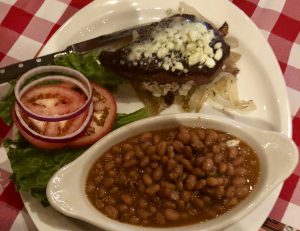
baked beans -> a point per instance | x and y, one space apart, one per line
172 177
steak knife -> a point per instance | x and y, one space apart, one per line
15 70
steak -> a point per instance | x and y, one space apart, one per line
177 49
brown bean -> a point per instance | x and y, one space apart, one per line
170 152
183 136
218 157
138 152
154 165
171 164
99 204
230 192
212 181
210 138
145 161
143 203
232 152
111 211
160 219
127 199
185 196
190 182
157 173
171 215
241 171
215 148
200 184
186 164
145 137
116 149
108 156
238 161
129 155
169 204
156 139
130 163
147 179
151 150
174 195
201 133
134 220
198 172
145 145
177 145
242 191
101 192
142 213
152 190
187 151
164 160
207 165
199 202
109 165
127 147
90 188
109 200
122 207
230 169
222 167
199 160
108 182
162 148
239 180
179 185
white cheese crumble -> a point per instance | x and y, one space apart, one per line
159 90
232 143
180 41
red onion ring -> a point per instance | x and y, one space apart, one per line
80 81
60 139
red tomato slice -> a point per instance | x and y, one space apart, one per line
103 117
34 141
101 123
50 100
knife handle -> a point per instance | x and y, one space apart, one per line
15 70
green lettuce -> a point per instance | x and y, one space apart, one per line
88 65
33 167
7 103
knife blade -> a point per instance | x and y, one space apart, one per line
15 70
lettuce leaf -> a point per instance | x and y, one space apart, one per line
33 167
88 65
7 103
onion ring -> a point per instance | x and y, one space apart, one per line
80 81
59 139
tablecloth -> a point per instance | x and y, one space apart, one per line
25 25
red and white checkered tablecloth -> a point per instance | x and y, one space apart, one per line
25 25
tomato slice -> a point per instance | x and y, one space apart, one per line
58 99
34 141
103 117
52 100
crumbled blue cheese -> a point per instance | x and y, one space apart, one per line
159 90
181 41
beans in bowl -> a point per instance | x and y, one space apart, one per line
172 177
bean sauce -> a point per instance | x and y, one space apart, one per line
172 177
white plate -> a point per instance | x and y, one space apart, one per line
260 79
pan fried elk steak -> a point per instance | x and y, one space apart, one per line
177 49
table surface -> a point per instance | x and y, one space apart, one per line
21 38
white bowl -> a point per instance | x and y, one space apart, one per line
278 157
